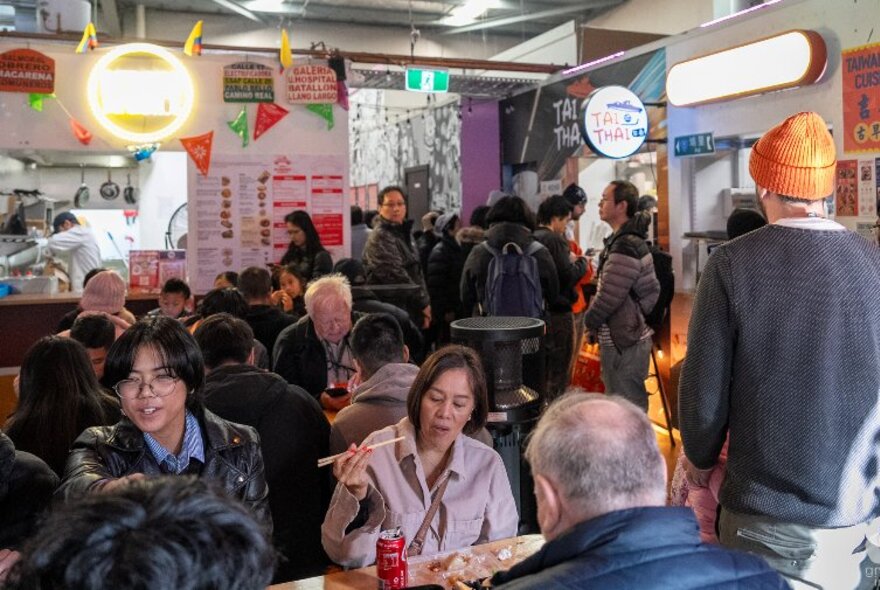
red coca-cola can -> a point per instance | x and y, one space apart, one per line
391 564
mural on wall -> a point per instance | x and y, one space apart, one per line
380 150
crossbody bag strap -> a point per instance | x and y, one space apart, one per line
415 548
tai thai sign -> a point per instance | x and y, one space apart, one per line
614 122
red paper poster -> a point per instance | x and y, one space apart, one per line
329 227
199 149
312 84
268 113
149 269
861 99
26 70
846 195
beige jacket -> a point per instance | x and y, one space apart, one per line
477 507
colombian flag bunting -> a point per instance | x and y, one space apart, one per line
89 39
284 55
193 44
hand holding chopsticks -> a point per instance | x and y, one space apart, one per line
332 458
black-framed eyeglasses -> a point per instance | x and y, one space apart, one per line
160 386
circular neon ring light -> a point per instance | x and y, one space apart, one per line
177 69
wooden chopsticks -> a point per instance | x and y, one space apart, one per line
332 458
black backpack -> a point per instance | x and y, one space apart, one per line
666 277
513 282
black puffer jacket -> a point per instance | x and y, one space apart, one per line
445 265
26 487
628 287
300 357
476 267
232 459
390 258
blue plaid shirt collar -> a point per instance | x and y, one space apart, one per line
193 448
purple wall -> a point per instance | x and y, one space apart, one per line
480 155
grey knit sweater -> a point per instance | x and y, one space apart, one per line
784 353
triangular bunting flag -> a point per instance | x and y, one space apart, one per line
35 100
193 45
239 126
81 133
268 113
89 39
199 149
284 55
325 111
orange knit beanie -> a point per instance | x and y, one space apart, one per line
796 158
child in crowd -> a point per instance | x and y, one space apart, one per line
290 287
175 299
226 280
97 334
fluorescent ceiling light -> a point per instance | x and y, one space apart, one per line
592 63
740 13
793 58
469 12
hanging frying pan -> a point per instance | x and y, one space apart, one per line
81 197
109 190
128 193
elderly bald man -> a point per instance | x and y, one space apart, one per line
600 482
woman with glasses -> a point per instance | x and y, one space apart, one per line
158 372
305 252
58 397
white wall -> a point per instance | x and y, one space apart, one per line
842 24
662 17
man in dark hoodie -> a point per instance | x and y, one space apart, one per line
444 271
266 320
627 289
293 436
390 256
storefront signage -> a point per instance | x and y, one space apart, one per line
614 122
311 84
695 145
793 58
248 82
140 92
861 99
423 80
26 70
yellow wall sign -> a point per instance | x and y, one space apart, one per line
140 92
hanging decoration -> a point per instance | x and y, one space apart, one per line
35 100
144 151
193 45
284 55
325 111
89 39
268 114
27 71
239 126
337 64
199 149
82 134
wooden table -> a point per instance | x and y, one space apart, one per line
482 561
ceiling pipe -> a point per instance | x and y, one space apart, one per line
354 56
140 22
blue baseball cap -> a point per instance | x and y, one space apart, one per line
62 217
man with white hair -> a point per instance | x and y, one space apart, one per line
600 483
315 352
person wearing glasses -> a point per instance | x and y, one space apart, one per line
315 353
390 256
158 373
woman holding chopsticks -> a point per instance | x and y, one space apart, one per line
444 490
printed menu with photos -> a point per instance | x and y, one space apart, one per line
236 214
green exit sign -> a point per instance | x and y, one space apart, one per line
422 80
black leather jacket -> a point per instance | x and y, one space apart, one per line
232 459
